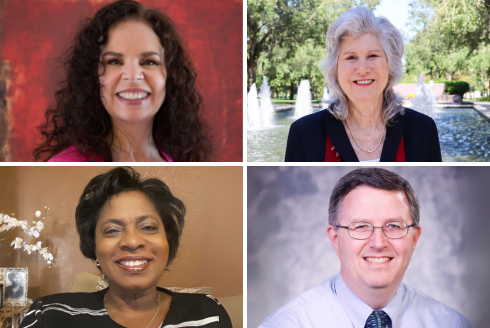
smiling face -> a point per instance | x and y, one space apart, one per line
362 68
133 84
376 262
130 240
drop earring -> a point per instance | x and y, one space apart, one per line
102 283
97 263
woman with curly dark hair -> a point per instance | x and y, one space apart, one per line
130 93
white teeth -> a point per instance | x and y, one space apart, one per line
377 260
364 81
133 95
134 263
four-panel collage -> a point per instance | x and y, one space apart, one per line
248 235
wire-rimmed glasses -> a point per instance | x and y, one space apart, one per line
364 230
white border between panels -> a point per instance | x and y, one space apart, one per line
111 164
244 86
367 164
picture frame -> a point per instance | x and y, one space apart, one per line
15 283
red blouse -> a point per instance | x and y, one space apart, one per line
332 155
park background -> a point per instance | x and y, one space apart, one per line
288 251
446 47
35 34
445 40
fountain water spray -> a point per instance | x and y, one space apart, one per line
266 110
260 116
303 100
253 111
326 96
425 101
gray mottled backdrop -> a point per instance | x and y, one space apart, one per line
289 251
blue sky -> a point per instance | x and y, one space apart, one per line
397 12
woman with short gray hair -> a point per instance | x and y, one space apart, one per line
365 120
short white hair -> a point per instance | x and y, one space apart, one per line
353 23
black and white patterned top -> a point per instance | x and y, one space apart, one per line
81 310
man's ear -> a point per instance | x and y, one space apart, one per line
334 238
416 236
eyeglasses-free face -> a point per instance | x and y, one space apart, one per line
133 85
371 261
362 69
131 244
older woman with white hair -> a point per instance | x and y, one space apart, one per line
365 120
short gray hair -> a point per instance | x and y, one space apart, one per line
375 178
353 23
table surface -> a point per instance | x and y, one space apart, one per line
8 311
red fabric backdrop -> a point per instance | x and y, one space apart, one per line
36 33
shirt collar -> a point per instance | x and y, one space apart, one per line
357 310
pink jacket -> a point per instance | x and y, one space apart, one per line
71 154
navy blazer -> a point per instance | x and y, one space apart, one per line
307 140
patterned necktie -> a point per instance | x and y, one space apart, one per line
378 319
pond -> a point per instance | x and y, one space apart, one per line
464 136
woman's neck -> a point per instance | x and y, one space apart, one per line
365 129
366 115
134 143
144 308
124 300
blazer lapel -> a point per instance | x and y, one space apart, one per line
337 134
394 135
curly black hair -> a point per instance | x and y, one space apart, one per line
123 179
79 118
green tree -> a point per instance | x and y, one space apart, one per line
262 21
288 72
429 54
460 23
479 67
452 40
288 24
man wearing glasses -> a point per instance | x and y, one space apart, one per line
374 227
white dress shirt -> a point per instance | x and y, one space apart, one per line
332 304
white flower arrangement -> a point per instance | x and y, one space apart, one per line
7 222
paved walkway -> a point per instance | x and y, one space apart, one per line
483 108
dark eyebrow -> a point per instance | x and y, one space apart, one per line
142 218
112 53
120 55
150 53
116 221
139 219
397 219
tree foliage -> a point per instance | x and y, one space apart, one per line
284 36
457 87
463 23
452 40
284 73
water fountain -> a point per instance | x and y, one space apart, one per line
266 109
303 100
425 101
260 116
253 110
463 134
326 96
